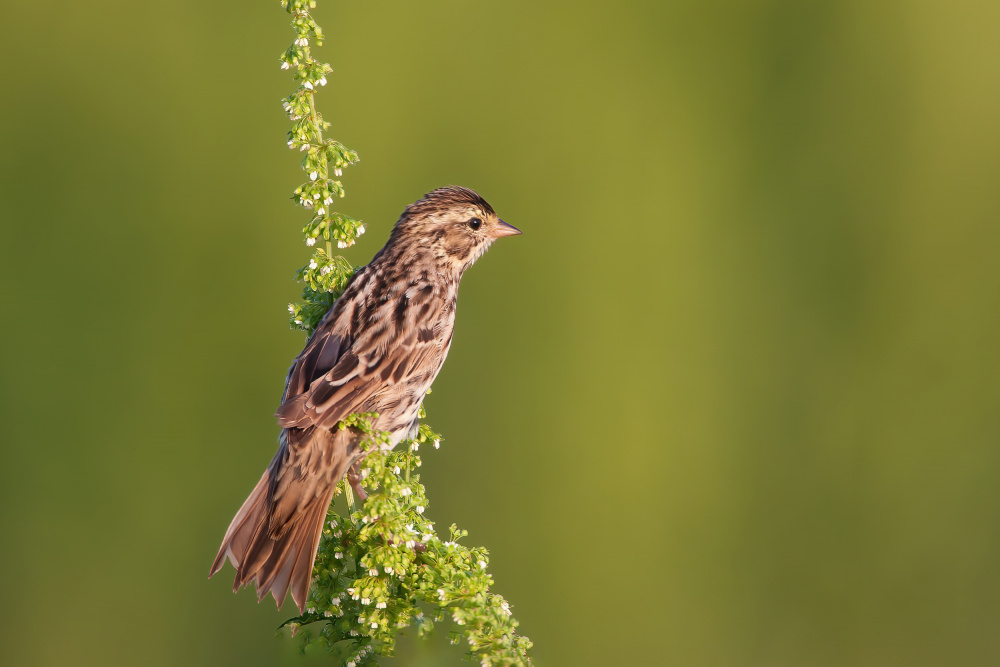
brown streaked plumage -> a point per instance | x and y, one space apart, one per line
377 349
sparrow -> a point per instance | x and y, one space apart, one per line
377 349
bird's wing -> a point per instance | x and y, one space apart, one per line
367 346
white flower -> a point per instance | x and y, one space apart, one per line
313 175
341 244
328 201
406 491
298 321
366 601
440 594
425 538
313 264
361 230
320 211
506 607
308 85
482 565
338 172
410 544
415 446
307 203
310 241
302 41
374 624
373 572
291 308
388 570
420 509
292 141
325 270
284 65
322 81
437 443
380 605
316 195
396 470
338 555
328 613
353 633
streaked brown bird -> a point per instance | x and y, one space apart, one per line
377 349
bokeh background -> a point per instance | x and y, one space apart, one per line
732 399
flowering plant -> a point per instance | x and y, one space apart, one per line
383 567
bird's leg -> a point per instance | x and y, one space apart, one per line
354 479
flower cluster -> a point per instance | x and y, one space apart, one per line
324 162
383 567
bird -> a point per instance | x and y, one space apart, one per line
377 349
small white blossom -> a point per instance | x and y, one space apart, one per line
353 633
415 446
308 85
298 321
284 65
338 555
420 509
396 470
410 544
302 41
313 264
313 175
310 241
291 308
406 491
361 230
506 607
373 572
440 594
425 538
482 565
437 443
325 270
328 613
322 81
374 624
290 143
380 605
388 570
366 601
338 172
315 195
307 203
328 201
341 244
320 211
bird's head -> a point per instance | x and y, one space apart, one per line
453 223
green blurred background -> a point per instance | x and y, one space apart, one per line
732 399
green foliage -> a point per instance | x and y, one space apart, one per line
324 162
383 568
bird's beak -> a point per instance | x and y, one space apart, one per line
505 229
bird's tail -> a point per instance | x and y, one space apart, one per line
273 538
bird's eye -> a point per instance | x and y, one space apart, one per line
475 223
